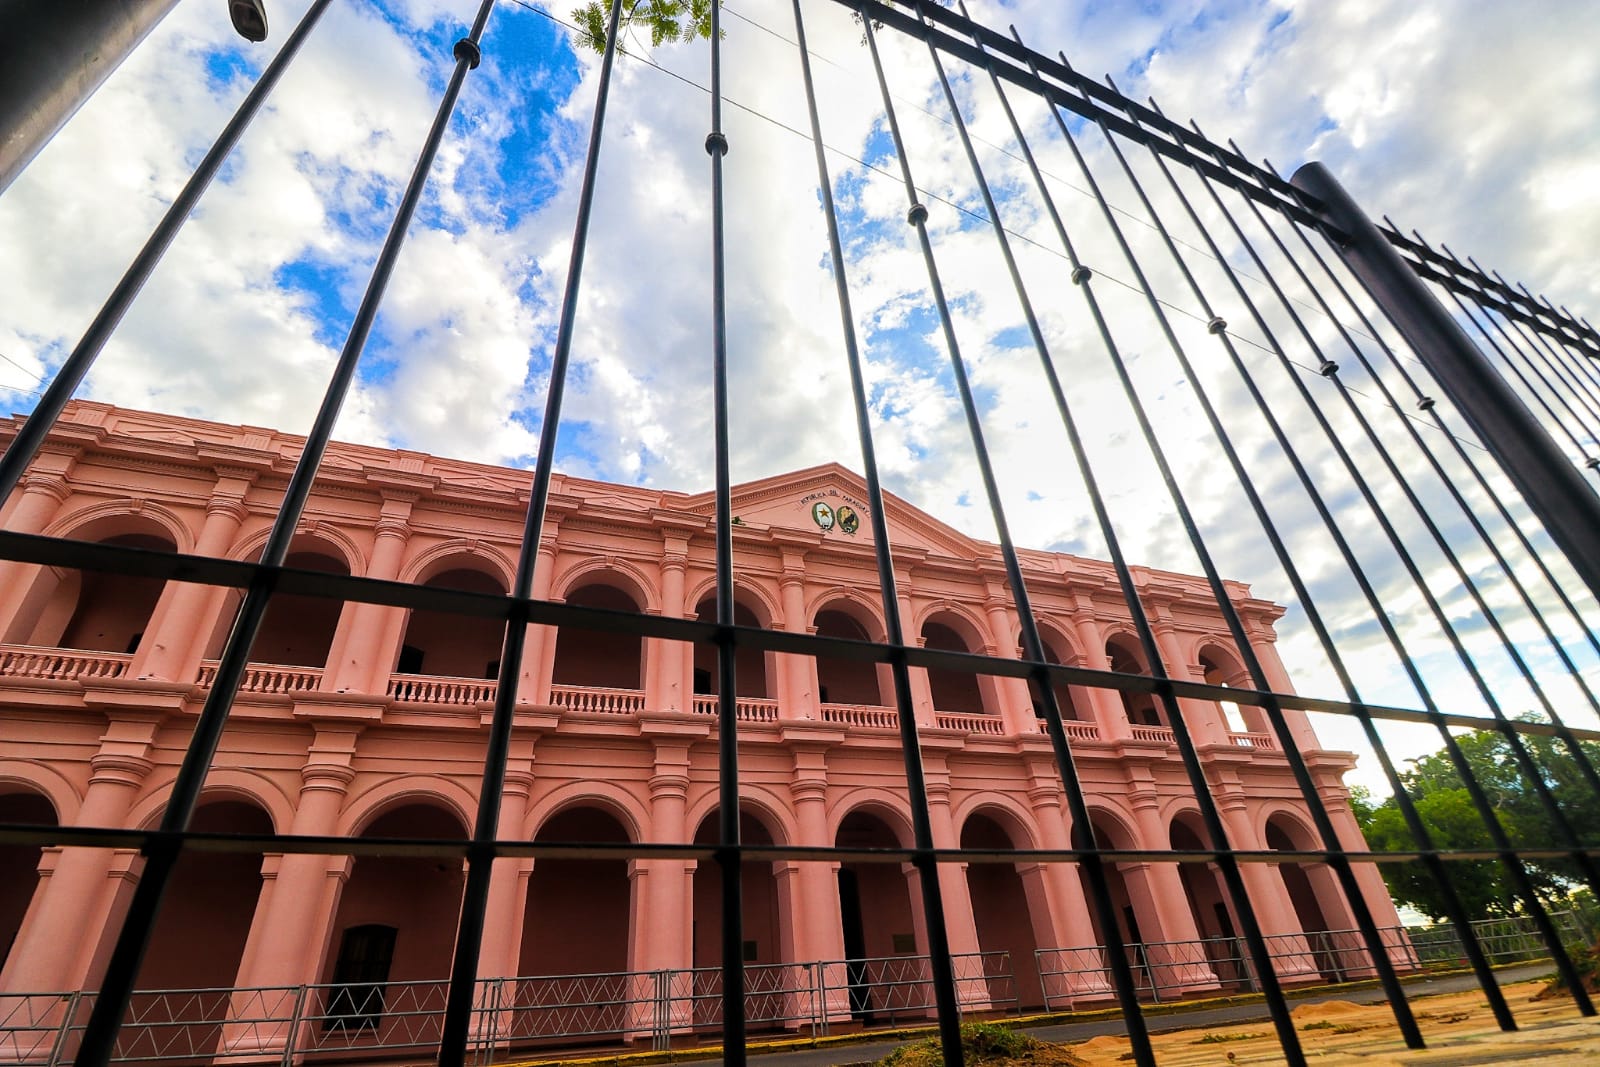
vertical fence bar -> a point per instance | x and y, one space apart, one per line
162 851
729 857
480 859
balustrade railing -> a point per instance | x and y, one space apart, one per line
970 722
61 664
427 689
268 678
746 709
597 700
1265 742
1160 735
861 716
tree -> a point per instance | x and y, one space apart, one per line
666 20
1452 821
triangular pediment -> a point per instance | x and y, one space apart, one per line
831 502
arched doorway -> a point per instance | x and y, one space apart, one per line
199 938
768 937
876 911
956 692
1001 911
1069 698
298 630
596 658
1142 708
394 936
19 864
1298 878
578 911
849 681
1213 915
750 664
447 645
91 610
1107 834
577 929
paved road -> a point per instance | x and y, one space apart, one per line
1226 1015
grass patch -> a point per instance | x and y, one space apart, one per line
1223 1039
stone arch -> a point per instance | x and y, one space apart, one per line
847 614
1125 656
98 611
460 553
1009 908
1215 920
367 806
1061 648
950 628
1220 666
446 644
769 923
199 936
223 785
21 803
118 518
1012 816
318 538
599 658
883 803
867 612
298 630
621 574
412 900
579 915
879 914
760 803
756 669
34 776
1312 889
610 797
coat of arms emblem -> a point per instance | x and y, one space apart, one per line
822 515
849 521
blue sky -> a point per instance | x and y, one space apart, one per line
1438 114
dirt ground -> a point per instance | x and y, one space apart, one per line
1457 1026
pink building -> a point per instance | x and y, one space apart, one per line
370 721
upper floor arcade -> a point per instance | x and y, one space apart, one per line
804 564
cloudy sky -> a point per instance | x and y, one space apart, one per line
1477 123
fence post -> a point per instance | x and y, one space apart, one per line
293 1036
66 1027
1546 478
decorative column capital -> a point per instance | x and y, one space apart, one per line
52 485
669 785
119 768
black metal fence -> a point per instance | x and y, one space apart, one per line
1398 441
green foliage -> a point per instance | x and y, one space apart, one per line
980 1043
664 20
1452 821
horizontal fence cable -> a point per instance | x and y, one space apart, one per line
1512 861
894 633
134 936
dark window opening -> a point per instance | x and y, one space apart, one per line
410 660
359 978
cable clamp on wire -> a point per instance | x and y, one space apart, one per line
716 144
1218 324
1425 404
468 49
917 215
1328 368
1081 274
